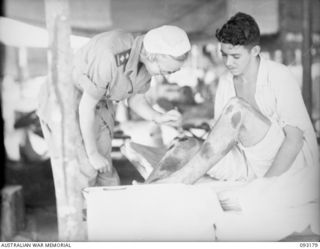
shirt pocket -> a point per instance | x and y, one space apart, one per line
121 88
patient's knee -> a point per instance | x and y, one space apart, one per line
234 110
235 104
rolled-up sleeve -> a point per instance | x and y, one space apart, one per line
289 102
96 81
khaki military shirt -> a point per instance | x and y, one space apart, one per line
108 66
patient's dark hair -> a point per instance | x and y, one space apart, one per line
240 29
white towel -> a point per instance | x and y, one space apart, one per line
273 208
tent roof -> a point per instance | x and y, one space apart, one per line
94 16
200 18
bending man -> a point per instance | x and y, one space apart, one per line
115 66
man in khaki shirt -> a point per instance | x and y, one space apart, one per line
115 66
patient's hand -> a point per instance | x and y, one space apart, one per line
229 201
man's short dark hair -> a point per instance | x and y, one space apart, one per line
240 29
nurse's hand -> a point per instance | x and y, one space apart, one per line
99 162
172 117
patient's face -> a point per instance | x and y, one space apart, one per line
236 58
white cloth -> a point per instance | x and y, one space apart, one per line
168 40
152 212
272 209
271 226
232 167
247 163
261 155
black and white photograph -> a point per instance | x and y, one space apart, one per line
160 121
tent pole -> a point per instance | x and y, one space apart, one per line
65 166
306 53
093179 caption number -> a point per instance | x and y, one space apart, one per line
309 244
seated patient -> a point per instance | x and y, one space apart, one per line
262 128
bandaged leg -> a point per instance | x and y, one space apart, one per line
239 122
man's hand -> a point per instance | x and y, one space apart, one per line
87 124
99 162
169 91
172 117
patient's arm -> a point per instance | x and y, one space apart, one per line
288 151
229 201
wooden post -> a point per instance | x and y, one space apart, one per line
65 166
12 212
23 64
283 26
306 53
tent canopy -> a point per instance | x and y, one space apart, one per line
200 18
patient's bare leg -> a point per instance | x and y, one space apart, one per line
179 153
239 122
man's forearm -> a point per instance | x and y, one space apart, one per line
87 118
286 155
139 105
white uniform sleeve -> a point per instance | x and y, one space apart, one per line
289 102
